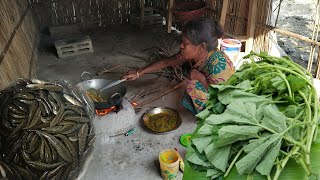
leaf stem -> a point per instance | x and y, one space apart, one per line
305 166
297 124
284 162
286 82
233 162
309 129
284 137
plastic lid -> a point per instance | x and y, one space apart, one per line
231 43
185 139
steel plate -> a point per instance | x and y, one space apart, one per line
161 120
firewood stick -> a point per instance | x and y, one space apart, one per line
140 58
137 95
165 93
108 70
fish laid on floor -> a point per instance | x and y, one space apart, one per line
43 131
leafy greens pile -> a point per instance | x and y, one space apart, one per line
264 115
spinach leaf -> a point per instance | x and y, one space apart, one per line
218 156
204 114
202 142
230 134
248 163
213 173
255 143
291 111
296 82
266 164
206 129
273 118
243 85
230 95
279 84
236 112
195 159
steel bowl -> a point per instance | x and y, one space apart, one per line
113 96
173 120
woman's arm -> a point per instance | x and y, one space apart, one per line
160 64
153 67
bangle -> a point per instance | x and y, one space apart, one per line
138 73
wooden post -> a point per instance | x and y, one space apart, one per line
224 12
169 15
251 24
290 34
142 3
318 65
223 15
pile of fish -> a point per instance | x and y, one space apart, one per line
46 131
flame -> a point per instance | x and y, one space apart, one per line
134 104
103 112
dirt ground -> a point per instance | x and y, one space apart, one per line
132 49
296 16
136 156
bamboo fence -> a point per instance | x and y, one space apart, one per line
18 36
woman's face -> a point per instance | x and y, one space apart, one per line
189 50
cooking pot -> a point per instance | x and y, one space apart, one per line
111 97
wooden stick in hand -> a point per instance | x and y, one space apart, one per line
165 93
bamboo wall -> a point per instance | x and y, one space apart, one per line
237 15
262 35
95 13
18 36
88 13
85 13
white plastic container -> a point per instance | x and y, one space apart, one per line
231 47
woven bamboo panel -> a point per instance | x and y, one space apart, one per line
10 14
83 12
18 34
214 9
237 15
261 40
88 13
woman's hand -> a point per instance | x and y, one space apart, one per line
197 75
131 75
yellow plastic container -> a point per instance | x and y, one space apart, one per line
169 164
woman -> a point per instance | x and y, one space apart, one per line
211 66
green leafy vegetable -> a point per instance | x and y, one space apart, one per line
264 115
248 163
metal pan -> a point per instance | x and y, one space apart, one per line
155 120
111 96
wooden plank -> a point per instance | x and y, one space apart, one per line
240 38
290 34
252 17
169 15
224 12
318 65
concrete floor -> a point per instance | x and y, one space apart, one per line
136 156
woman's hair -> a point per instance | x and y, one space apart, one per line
203 30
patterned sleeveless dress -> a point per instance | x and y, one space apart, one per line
216 68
